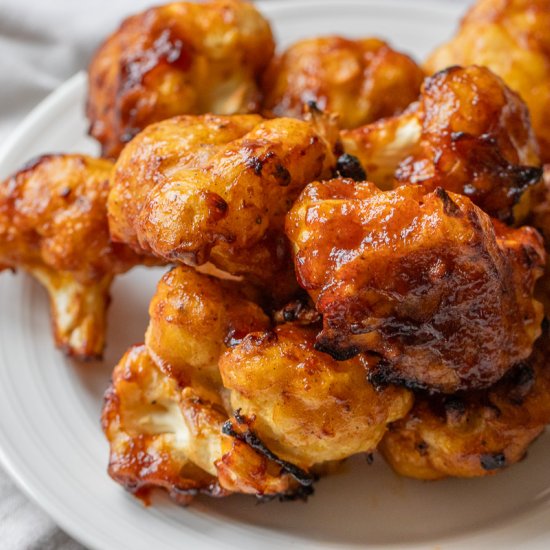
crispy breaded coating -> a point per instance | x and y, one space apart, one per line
53 224
165 435
511 38
477 433
428 281
303 405
180 58
194 319
217 189
468 133
360 80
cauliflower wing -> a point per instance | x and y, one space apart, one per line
360 80
304 406
427 281
193 320
183 57
53 224
217 189
468 133
478 433
511 38
165 435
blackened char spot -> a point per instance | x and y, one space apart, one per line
455 408
493 461
282 175
348 166
338 353
524 176
302 492
253 441
449 206
255 163
422 448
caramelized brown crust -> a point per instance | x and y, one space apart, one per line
183 57
444 295
511 38
194 319
303 405
360 80
468 133
478 433
227 204
53 224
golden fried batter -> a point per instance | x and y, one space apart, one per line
53 224
511 38
194 318
478 433
427 281
361 80
183 57
194 189
166 435
468 133
303 405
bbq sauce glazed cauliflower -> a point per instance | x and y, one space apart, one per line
193 320
468 133
166 434
208 188
53 224
179 58
477 433
160 433
511 38
428 281
303 405
361 80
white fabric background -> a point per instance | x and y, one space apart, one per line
42 43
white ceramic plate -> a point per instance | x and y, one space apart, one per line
51 442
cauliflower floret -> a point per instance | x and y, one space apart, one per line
217 189
360 80
474 434
304 406
180 58
53 224
468 133
428 281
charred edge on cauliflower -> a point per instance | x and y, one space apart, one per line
303 492
301 312
253 441
348 166
494 461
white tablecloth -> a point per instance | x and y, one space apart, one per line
42 43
